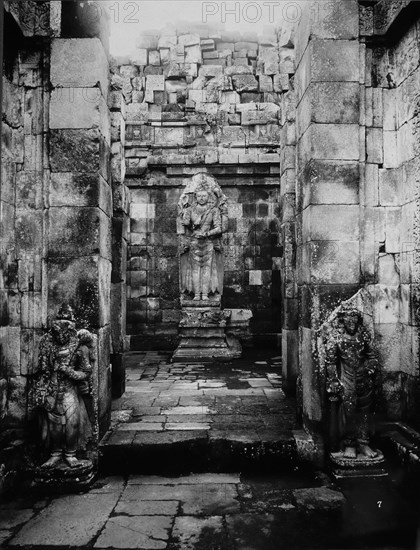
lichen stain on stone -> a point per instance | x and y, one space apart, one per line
85 304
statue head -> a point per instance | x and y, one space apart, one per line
64 325
351 319
202 196
85 337
62 331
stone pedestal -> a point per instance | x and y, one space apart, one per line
63 479
203 335
361 466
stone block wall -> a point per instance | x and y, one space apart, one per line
56 203
327 200
356 189
207 100
24 181
80 205
390 231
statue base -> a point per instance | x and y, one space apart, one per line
361 466
204 338
64 479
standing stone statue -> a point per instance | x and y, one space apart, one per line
351 365
202 218
64 375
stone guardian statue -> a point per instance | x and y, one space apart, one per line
64 375
351 365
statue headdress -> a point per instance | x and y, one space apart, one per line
65 313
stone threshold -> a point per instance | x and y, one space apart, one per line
179 452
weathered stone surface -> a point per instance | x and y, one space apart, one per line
331 222
189 531
79 63
74 150
28 228
74 232
330 141
319 498
84 283
330 182
335 69
77 519
10 353
335 102
79 108
339 21
155 82
135 532
245 83
67 189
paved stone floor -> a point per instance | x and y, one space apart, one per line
215 512
214 415
172 415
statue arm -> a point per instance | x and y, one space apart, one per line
371 362
83 359
217 223
334 385
186 217
73 374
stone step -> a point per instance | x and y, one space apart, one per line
183 451
402 444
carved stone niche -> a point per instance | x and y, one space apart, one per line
63 397
350 363
202 220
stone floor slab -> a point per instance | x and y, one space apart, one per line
111 484
10 519
142 426
201 499
139 532
201 409
187 426
74 519
317 498
147 508
191 533
4 535
252 532
191 479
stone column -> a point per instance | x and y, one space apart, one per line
80 198
120 222
289 331
329 145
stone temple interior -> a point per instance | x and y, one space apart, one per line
210 268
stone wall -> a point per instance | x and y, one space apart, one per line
327 202
391 198
204 100
56 204
24 181
357 197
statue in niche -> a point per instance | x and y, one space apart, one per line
351 364
63 385
202 219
